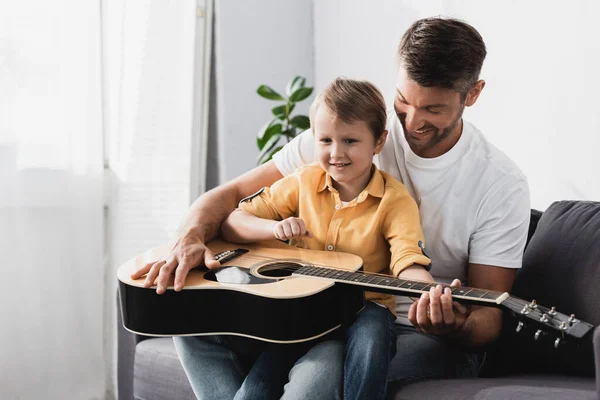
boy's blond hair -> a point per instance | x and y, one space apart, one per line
353 100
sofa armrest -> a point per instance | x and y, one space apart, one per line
126 342
597 358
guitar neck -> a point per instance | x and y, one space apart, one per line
398 286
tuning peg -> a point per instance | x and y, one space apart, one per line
537 334
519 326
556 343
552 312
563 326
532 305
571 319
544 318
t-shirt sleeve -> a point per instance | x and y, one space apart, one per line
298 152
502 225
277 202
402 229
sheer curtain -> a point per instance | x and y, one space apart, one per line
51 201
156 79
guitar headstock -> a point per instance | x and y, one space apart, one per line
547 323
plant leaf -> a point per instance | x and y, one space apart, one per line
265 127
300 94
275 150
282 112
268 93
294 84
270 145
269 131
301 122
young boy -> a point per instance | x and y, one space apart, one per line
344 203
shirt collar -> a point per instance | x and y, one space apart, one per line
375 187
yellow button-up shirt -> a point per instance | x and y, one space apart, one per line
381 225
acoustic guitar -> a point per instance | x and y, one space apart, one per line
279 293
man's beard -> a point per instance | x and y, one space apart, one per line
437 136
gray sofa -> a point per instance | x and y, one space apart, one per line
561 267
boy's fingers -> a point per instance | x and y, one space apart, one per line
287 231
296 228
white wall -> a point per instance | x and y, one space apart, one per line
257 42
540 104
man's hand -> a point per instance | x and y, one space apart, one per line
437 314
188 252
291 228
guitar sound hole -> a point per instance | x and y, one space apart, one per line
278 269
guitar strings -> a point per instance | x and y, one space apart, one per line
511 300
293 267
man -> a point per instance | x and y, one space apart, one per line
473 202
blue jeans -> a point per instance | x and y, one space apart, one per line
230 367
370 346
423 356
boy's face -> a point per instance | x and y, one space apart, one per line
345 151
430 116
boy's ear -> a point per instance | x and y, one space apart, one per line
380 142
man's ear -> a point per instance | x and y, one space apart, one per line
474 93
380 142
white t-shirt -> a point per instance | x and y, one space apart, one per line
473 200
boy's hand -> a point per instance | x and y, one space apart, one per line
291 228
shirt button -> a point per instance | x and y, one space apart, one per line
330 247
337 206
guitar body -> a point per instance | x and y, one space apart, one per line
265 303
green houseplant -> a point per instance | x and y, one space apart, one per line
283 127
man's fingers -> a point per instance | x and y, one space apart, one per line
422 307
209 260
435 311
153 273
455 283
164 275
412 315
447 311
142 271
181 273
309 233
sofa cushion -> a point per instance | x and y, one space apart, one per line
157 372
561 268
531 387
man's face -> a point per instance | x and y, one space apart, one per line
430 116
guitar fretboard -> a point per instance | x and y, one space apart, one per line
390 284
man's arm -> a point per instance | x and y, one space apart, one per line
484 323
201 224
473 326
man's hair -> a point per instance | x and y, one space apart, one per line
442 52
351 101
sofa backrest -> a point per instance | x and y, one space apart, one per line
561 268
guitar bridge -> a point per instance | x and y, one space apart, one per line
228 255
